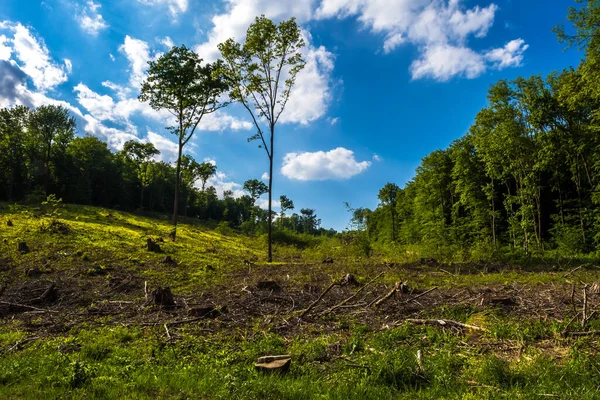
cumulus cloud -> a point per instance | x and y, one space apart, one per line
175 7
335 164
511 55
264 176
90 19
167 42
138 53
439 29
168 148
221 182
443 62
32 56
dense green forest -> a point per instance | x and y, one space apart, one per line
526 176
524 179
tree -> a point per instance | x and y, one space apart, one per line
309 221
262 73
140 154
13 135
206 171
54 128
179 83
286 204
256 189
387 196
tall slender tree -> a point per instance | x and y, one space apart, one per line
262 73
179 83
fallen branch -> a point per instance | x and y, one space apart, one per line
586 333
314 303
573 270
419 295
168 333
444 322
26 306
339 305
379 302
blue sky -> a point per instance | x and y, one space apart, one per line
386 81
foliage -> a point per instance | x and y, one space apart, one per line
261 73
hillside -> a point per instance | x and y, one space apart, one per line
77 323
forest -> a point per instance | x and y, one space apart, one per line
524 180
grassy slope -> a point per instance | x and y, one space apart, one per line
342 355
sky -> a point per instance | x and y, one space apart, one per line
385 83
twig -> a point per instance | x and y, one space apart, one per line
26 306
444 322
379 302
584 317
586 333
573 299
23 341
448 272
419 295
168 333
351 297
573 270
314 303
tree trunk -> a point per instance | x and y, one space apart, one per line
177 178
270 231
493 214
47 166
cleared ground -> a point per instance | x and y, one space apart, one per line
79 317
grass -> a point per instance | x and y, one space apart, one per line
352 354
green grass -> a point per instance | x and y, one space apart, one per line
341 356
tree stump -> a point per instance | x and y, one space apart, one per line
168 260
163 296
271 364
349 279
22 247
153 246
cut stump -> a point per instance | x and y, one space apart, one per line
270 364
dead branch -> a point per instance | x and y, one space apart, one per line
379 302
444 322
584 317
573 270
420 295
351 297
314 303
586 333
26 306
168 333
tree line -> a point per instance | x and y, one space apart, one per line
525 177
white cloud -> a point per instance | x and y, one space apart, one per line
68 65
115 138
138 53
168 148
511 55
311 94
338 163
5 51
333 121
167 42
263 203
439 29
221 184
210 161
176 7
32 57
377 157
442 62
264 176
90 20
